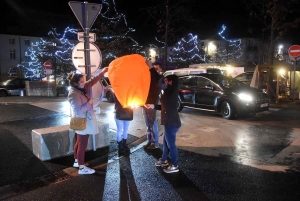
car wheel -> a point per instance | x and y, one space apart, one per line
109 97
3 93
227 110
179 105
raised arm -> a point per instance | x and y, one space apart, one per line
95 79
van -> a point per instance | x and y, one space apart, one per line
193 71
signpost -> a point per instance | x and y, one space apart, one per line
86 14
47 65
294 52
92 37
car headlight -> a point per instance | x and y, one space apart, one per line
245 97
69 88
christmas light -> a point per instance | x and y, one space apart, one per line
186 50
236 54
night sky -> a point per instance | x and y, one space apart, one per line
211 15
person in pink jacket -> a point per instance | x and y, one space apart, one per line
82 106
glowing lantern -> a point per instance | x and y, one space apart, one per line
130 79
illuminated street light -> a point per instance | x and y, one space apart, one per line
152 53
211 48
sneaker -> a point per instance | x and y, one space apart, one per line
171 169
75 164
152 146
147 145
161 163
86 170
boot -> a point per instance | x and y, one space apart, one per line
121 147
126 148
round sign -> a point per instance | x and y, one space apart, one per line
294 51
79 61
48 65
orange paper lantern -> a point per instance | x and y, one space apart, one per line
130 79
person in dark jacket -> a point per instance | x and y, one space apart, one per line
171 121
149 113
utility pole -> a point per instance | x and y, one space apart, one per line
166 35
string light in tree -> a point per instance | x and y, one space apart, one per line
186 50
234 45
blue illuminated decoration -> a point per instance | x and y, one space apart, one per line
186 50
234 45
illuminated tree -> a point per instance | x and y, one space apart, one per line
186 52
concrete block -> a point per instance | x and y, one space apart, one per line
58 141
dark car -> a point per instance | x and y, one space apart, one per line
62 87
222 94
12 86
108 90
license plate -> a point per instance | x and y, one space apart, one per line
264 105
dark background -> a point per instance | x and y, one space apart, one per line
37 17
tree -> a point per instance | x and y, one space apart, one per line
232 50
186 52
167 15
56 48
276 16
114 34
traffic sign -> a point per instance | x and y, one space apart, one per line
92 37
294 51
86 13
79 60
48 65
47 71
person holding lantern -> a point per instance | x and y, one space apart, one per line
149 113
82 107
171 121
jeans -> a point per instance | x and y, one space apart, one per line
122 129
169 145
80 147
152 128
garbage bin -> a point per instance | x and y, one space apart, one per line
22 92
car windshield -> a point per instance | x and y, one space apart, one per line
6 82
226 81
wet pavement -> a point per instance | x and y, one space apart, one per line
253 158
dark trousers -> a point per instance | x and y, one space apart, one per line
80 147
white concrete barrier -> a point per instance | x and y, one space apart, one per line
58 141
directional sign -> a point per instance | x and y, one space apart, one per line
86 13
47 72
294 51
92 37
79 61
48 65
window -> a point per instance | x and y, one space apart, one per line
13 72
27 58
12 41
12 54
27 42
202 82
188 81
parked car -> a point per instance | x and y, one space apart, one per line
108 90
193 71
245 77
222 94
62 87
12 86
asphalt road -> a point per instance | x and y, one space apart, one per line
255 158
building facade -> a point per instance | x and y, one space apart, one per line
13 48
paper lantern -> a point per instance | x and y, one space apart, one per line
130 79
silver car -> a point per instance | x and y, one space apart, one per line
108 90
